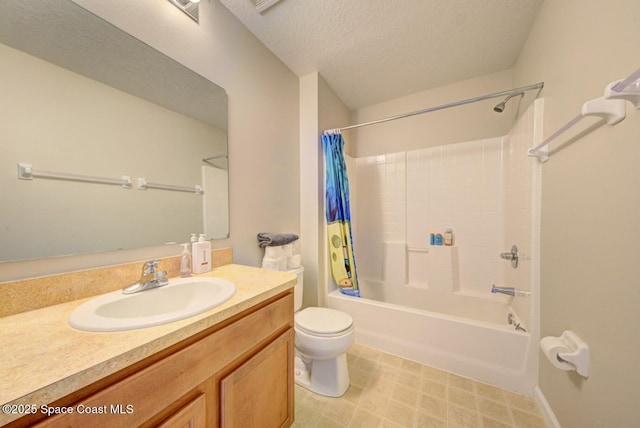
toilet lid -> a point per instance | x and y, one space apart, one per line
323 321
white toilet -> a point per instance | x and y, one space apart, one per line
322 338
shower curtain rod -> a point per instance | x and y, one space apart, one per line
539 85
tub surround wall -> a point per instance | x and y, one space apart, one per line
30 294
522 184
487 191
409 195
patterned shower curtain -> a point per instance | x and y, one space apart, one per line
343 262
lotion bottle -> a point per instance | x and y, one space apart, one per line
201 255
185 262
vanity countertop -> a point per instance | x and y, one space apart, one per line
43 359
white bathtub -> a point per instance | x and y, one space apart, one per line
485 349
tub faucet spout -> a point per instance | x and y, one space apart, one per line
503 290
509 291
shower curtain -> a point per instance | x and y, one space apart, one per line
343 264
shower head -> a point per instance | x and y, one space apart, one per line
499 108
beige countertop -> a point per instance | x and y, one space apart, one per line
43 359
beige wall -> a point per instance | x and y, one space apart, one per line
310 189
263 123
439 127
320 109
590 208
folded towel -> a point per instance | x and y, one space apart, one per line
288 249
274 252
271 264
271 239
294 261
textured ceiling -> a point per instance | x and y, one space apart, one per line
371 51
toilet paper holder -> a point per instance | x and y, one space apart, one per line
574 354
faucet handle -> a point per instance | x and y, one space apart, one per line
150 266
512 256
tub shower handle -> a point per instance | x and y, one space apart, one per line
508 256
513 256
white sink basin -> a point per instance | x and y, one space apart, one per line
181 298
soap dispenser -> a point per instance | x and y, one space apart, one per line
185 262
201 255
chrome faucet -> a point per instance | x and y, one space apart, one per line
511 320
509 291
503 290
151 278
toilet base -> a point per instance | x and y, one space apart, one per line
328 377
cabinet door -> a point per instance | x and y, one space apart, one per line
193 415
259 393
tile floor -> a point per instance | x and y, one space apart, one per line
389 391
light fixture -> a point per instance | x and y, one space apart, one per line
190 7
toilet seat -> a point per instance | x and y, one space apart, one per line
323 322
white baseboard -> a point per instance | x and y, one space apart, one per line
547 413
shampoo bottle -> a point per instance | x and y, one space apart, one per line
448 237
438 239
185 261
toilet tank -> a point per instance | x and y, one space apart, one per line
298 289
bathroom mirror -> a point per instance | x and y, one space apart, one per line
83 99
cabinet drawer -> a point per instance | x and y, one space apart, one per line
151 391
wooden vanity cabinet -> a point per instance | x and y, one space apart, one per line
237 375
193 415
